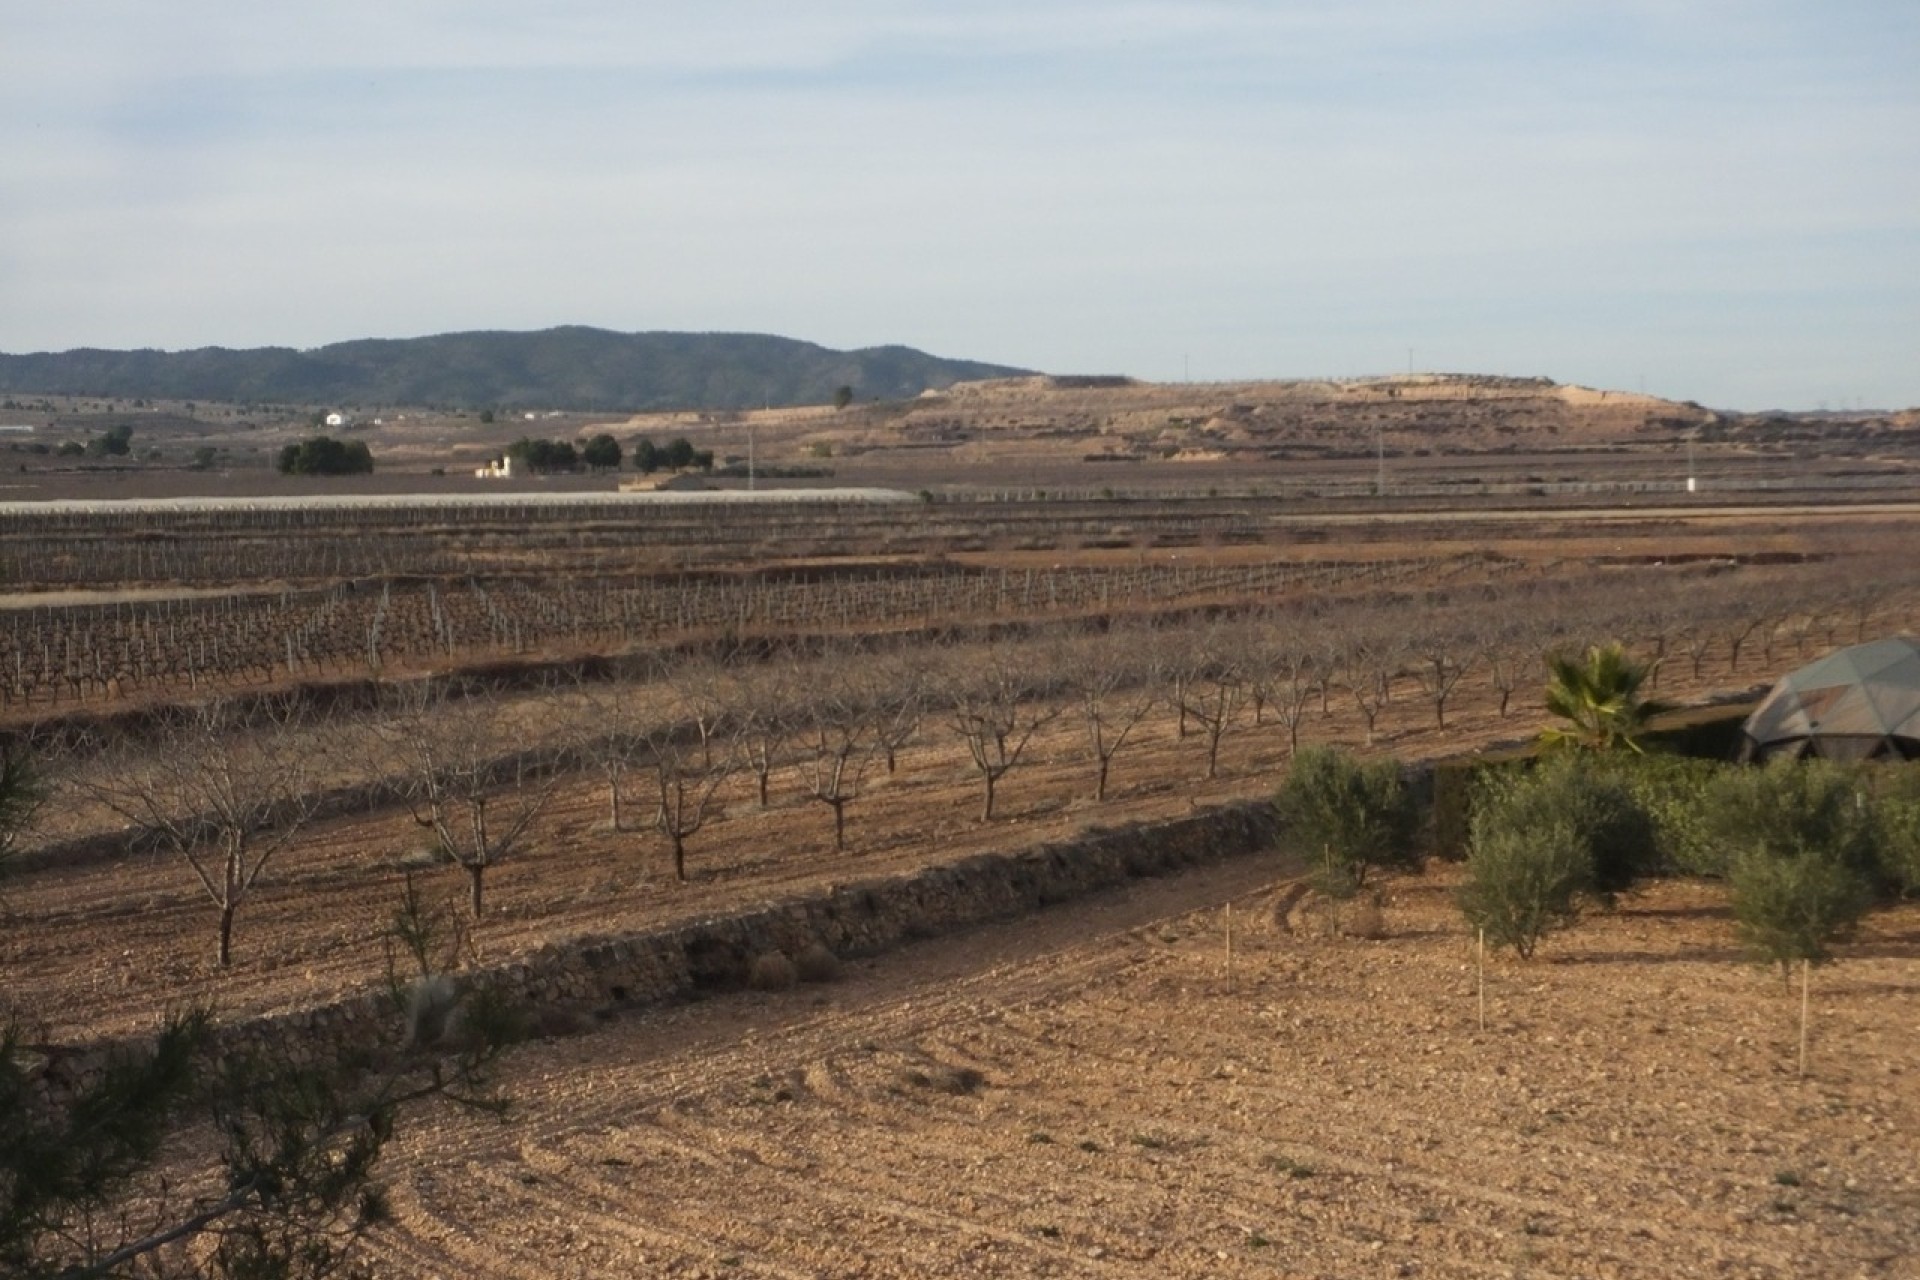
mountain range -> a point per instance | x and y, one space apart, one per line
572 367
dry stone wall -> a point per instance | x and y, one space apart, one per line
565 986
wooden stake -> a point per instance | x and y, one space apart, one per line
1806 968
1229 914
1481 952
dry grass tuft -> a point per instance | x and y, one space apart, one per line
772 971
817 964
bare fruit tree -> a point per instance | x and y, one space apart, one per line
1372 648
1115 686
614 714
689 759
1215 686
994 705
762 697
463 776
225 786
1443 652
1284 676
837 744
897 687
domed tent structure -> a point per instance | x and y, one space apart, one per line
1860 703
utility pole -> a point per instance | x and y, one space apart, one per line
750 433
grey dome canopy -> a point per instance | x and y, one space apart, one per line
1857 703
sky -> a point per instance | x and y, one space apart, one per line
1715 200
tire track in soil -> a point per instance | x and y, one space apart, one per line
1032 1004
680 1123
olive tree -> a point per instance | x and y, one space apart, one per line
1347 816
280 1147
1543 842
1799 843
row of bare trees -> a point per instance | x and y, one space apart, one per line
230 784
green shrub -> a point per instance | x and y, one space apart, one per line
1543 840
1450 800
1896 806
1524 877
1669 791
1790 906
1347 816
1790 808
1620 837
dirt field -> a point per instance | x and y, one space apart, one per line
1085 1093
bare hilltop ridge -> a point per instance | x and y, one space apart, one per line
1122 417
1119 432
1035 431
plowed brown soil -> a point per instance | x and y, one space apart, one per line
1084 1093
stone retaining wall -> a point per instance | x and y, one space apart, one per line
589 976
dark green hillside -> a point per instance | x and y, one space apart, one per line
566 368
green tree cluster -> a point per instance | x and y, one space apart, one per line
1543 842
1801 843
325 456
545 455
676 455
602 453
115 442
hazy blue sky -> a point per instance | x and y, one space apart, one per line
1719 201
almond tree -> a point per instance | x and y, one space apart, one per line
762 698
837 744
996 712
1113 677
1366 678
1285 681
897 688
461 777
689 759
614 743
1214 688
1445 654
225 786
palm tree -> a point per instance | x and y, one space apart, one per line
1598 697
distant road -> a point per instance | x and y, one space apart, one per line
1279 511
1461 515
